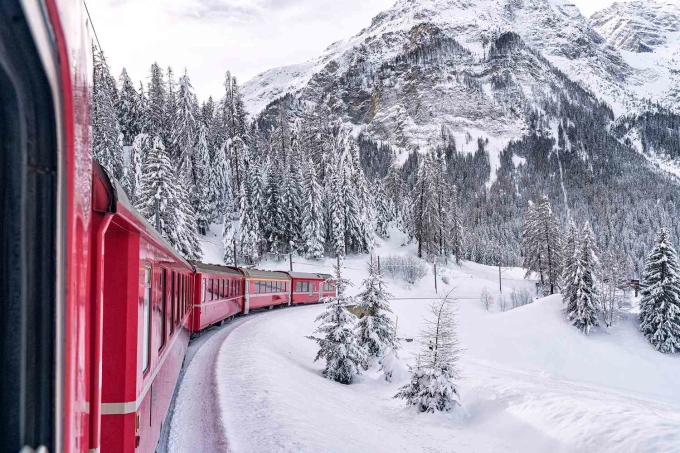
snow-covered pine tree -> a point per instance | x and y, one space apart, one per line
273 218
176 217
169 114
185 226
542 247
155 123
220 186
200 190
185 130
384 211
107 144
141 147
572 247
338 345
312 216
660 303
248 237
228 237
583 313
293 194
433 380
129 109
375 329
425 210
455 225
336 212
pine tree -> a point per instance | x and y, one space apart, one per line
248 229
339 345
228 237
220 186
432 386
185 130
158 182
572 248
157 102
128 108
107 144
169 114
583 310
375 329
455 225
274 221
200 189
426 220
312 216
541 244
141 147
660 303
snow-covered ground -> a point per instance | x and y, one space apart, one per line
532 383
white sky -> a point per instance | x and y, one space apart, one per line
209 37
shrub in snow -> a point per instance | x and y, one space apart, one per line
660 303
375 329
339 344
391 365
520 297
486 298
502 302
582 307
405 267
432 386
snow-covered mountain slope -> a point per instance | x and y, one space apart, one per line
647 33
555 28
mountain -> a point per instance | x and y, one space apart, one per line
522 97
647 34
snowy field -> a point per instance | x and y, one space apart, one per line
532 383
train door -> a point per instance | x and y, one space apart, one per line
32 235
247 297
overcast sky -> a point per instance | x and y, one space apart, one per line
207 37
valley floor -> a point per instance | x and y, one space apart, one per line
532 383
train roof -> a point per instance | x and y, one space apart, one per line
310 275
256 273
119 197
216 269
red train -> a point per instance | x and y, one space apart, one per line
97 308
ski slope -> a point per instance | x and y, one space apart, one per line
532 383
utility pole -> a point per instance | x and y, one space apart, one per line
435 278
290 259
500 280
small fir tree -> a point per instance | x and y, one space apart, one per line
582 310
339 345
660 303
433 379
375 329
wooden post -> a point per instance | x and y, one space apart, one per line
157 210
500 279
290 260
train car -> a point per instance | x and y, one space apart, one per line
265 289
46 227
308 288
218 292
143 293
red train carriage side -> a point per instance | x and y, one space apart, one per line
265 289
143 324
310 288
218 292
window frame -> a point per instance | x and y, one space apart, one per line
146 318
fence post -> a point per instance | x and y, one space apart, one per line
290 259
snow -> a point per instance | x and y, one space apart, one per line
532 382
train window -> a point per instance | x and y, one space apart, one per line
298 287
257 287
175 313
146 320
210 288
203 291
225 288
164 310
